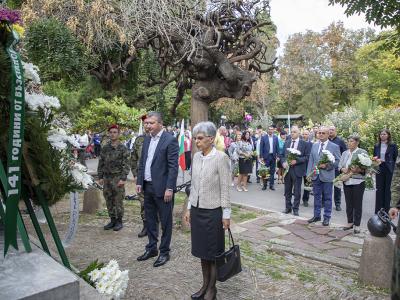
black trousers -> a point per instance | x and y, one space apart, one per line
97 149
306 194
188 159
270 162
337 192
383 192
353 195
153 207
292 183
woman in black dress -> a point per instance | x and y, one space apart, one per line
245 153
209 205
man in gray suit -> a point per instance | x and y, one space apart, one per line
323 180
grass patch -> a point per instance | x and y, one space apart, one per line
240 214
102 213
306 276
180 198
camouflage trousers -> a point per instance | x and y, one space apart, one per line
395 187
141 200
114 196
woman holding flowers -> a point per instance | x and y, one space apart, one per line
354 180
209 205
233 155
245 152
385 153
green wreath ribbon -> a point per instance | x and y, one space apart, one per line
15 142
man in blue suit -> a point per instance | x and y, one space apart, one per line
297 170
157 174
269 148
323 180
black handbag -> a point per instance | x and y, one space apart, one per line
228 263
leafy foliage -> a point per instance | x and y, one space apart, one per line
381 118
53 48
101 113
84 274
346 121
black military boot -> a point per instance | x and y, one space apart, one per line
118 225
143 233
110 225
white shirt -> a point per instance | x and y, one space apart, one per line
84 140
296 143
384 147
150 155
271 143
226 212
325 144
352 181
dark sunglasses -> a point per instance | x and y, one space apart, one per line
321 132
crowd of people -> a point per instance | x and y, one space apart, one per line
297 157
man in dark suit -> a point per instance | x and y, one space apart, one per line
269 148
306 193
297 169
157 174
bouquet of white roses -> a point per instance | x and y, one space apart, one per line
110 280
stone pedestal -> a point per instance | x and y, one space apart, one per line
92 200
376 261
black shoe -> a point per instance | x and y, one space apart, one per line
305 203
295 213
272 188
161 260
325 222
264 188
314 219
110 225
118 225
148 254
338 208
348 228
287 211
143 233
249 181
198 296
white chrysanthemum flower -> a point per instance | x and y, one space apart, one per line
31 72
294 151
85 180
330 156
36 101
94 275
365 160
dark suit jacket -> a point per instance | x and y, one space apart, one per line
164 167
264 146
390 156
300 168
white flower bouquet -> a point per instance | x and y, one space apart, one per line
293 154
361 164
327 158
110 280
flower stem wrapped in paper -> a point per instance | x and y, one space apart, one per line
293 154
263 172
361 167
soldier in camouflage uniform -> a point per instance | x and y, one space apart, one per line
135 158
113 170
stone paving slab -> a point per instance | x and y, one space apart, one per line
311 240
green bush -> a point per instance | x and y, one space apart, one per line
381 118
346 121
100 113
53 48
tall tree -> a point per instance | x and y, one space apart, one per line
216 49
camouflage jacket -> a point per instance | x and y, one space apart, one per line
136 154
113 162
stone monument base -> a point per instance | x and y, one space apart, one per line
376 261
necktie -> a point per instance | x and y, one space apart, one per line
322 148
293 144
